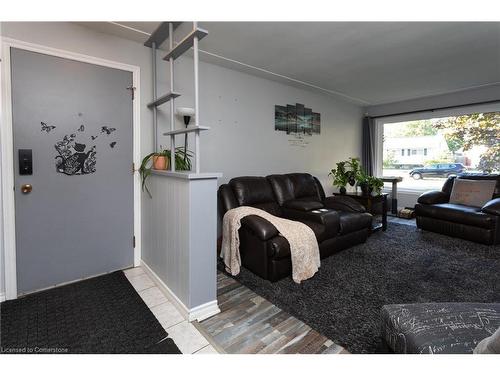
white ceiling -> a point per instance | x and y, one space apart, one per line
369 62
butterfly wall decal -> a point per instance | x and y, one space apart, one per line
112 144
81 128
47 128
93 137
107 130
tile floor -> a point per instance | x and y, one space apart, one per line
185 335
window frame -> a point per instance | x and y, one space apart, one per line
379 132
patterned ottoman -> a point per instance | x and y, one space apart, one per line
438 327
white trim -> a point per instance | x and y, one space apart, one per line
7 158
2 297
205 311
198 313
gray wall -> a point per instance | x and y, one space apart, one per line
239 107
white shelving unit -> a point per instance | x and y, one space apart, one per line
183 228
164 31
189 129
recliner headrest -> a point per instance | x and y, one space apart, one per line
304 185
250 190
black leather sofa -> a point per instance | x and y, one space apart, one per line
479 224
338 223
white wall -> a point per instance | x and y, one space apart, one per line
239 107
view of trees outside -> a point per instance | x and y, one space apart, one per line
425 152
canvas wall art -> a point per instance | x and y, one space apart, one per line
296 119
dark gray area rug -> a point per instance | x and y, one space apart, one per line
99 315
343 300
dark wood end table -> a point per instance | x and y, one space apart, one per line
369 202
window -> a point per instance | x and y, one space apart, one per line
425 152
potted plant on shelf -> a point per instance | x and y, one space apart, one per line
161 160
369 184
346 172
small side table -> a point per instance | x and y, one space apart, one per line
394 194
369 202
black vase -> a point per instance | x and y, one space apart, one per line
342 190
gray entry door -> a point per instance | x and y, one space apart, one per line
76 118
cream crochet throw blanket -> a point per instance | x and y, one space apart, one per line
303 245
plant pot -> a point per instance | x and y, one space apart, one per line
366 189
160 162
342 190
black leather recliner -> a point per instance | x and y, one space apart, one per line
337 222
479 224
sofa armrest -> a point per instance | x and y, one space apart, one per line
433 197
330 219
303 205
492 207
262 228
341 203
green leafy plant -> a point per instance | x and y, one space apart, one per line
346 172
369 183
182 163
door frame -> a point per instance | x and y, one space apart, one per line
7 146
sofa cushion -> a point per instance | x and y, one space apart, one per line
279 247
483 177
471 192
343 203
304 185
319 230
282 187
255 192
303 205
353 221
438 327
456 213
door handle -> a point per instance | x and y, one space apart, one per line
26 188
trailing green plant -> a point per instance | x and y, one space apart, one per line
182 163
346 172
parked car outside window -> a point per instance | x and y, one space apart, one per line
437 170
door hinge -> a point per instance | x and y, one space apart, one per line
133 167
132 90
133 242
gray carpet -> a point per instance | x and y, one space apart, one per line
343 300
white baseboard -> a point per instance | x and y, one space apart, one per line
2 297
204 311
198 313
